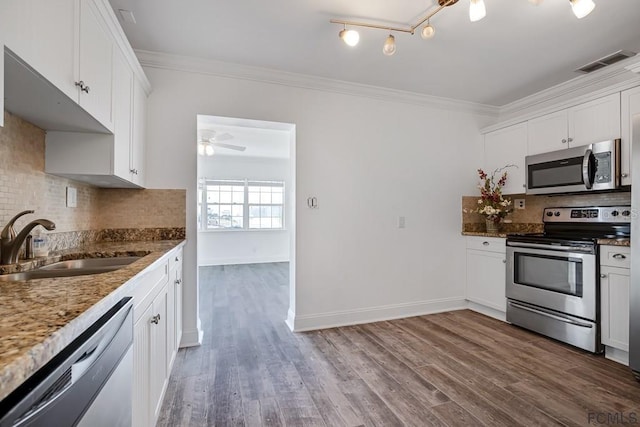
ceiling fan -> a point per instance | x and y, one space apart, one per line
210 138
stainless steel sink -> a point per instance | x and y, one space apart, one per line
74 267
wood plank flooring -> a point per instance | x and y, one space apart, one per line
450 369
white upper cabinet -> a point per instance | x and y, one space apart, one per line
594 121
630 100
138 146
507 146
95 74
123 114
547 133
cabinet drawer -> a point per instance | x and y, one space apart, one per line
615 256
492 244
147 287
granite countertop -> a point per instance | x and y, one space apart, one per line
615 242
484 234
39 317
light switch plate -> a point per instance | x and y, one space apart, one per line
72 197
402 222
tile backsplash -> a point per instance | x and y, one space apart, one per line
24 185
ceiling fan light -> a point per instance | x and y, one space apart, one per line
477 10
389 47
427 32
582 8
208 150
350 37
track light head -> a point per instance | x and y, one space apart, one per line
428 31
389 47
582 8
350 37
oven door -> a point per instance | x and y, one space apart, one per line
554 277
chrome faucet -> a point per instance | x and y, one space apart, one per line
10 242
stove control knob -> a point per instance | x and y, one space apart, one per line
615 213
557 213
549 213
626 213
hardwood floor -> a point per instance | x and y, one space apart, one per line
457 368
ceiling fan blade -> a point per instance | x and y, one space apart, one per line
230 146
223 136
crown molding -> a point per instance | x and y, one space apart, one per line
237 71
582 86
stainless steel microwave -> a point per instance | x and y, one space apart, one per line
592 167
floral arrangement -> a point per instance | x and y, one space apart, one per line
491 204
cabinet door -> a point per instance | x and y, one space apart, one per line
547 133
95 65
171 320
179 303
43 34
507 146
123 98
158 356
630 100
138 144
141 369
594 121
486 278
614 288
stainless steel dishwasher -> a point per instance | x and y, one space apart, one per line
89 383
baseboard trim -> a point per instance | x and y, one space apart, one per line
373 314
192 338
236 261
487 311
617 355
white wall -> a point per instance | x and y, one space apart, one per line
222 247
367 161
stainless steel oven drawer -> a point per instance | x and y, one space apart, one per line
571 330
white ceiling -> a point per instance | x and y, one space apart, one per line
262 139
517 50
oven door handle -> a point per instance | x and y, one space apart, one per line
553 316
551 247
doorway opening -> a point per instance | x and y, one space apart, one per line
246 195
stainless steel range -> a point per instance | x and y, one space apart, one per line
553 277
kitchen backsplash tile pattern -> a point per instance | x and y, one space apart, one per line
100 214
534 206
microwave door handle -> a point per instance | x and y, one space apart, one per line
586 169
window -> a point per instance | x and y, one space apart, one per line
240 204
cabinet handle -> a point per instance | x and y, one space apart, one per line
564 141
155 319
134 171
177 281
85 89
603 276
624 175
619 256
485 243
80 84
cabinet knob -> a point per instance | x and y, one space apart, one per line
155 319
485 243
85 89
177 281
134 171
504 261
624 175
603 276
570 139
564 141
177 259
619 256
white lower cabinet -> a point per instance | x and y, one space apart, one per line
614 297
486 259
154 337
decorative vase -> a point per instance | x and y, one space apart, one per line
492 226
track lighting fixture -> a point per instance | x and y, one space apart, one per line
477 11
389 47
350 37
582 8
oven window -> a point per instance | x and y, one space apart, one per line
556 173
558 274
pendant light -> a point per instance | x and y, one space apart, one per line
477 10
582 8
389 47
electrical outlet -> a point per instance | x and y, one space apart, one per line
519 203
72 197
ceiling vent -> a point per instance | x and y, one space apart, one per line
607 60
